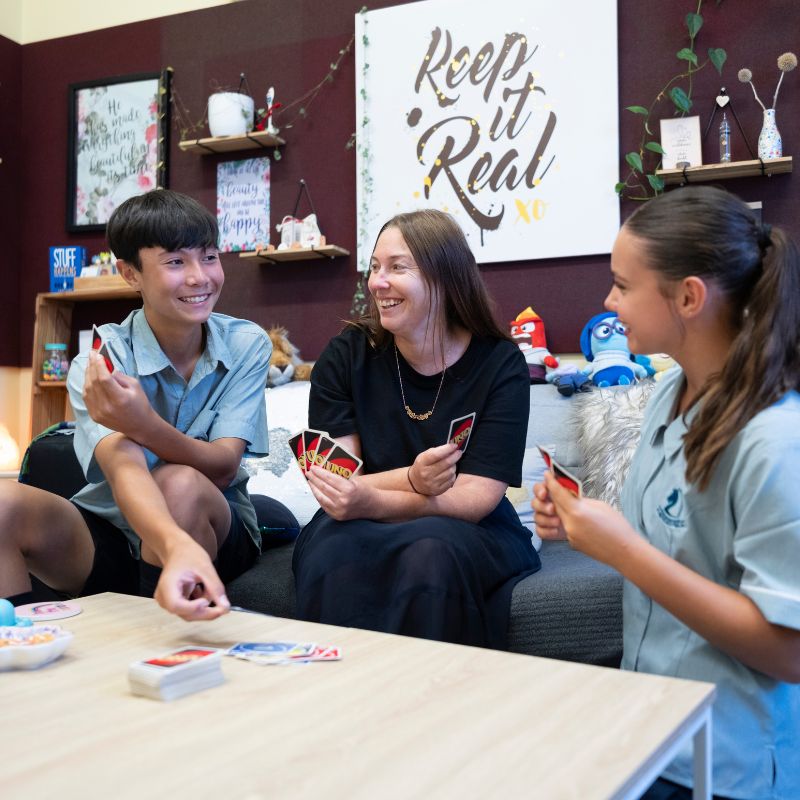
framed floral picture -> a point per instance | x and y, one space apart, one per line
118 145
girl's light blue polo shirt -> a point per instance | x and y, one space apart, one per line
743 532
223 398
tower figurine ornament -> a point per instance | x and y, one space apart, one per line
271 106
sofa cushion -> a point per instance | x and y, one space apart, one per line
276 475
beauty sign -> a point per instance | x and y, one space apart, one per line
503 115
243 204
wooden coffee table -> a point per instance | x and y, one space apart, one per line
397 717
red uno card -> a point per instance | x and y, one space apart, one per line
311 440
298 449
342 462
563 476
324 446
180 657
461 430
101 347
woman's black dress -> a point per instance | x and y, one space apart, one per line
432 577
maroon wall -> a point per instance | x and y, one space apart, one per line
10 173
290 46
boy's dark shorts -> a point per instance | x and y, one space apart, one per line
115 569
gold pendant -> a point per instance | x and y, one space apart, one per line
418 417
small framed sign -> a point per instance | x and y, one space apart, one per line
118 145
680 138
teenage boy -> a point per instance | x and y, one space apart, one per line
160 438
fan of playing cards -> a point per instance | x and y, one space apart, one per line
316 448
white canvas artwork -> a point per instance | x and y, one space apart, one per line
504 115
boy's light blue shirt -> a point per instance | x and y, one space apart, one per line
224 398
742 532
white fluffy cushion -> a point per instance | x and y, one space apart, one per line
609 425
275 475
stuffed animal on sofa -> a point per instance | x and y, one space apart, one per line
604 344
527 330
285 364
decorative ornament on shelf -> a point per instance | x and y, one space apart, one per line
264 116
770 144
231 113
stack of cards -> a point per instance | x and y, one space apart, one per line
316 448
266 653
175 674
563 476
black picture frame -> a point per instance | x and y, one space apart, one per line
118 144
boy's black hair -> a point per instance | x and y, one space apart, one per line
161 218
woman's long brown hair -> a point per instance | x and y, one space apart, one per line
710 233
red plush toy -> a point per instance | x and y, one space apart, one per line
527 330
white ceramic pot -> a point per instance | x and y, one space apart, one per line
230 114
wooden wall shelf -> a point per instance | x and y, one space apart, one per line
49 403
297 253
720 172
257 140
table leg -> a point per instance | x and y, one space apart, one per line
702 759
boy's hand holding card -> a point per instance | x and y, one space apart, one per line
101 347
562 475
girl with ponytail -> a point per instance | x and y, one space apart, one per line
709 535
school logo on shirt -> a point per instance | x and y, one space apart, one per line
671 512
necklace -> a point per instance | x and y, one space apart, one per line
417 417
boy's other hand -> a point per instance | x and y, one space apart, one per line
115 400
189 585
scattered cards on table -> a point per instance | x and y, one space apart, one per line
316 448
562 475
177 673
266 653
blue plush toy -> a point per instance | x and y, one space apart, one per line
604 344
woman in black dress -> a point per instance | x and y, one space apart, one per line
422 541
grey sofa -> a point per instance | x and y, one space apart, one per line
570 609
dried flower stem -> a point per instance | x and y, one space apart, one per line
777 89
755 93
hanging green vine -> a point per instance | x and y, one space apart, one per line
360 303
646 160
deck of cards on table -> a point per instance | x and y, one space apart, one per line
316 448
178 673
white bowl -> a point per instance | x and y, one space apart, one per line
31 656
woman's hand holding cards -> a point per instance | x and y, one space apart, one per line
341 498
434 470
591 526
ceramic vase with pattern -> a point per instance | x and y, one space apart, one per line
770 144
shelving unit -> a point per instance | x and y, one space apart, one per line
721 172
53 323
256 140
297 253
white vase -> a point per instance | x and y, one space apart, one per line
230 114
770 144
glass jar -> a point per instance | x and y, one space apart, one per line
55 363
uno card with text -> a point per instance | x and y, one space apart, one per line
341 461
297 446
311 440
324 446
461 430
563 476
101 347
